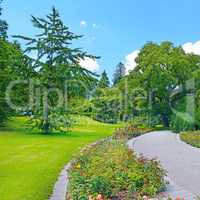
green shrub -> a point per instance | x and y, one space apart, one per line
99 185
110 168
181 123
182 119
140 121
106 109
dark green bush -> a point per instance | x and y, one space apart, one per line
179 123
182 118
106 109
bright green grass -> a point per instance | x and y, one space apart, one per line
30 163
191 137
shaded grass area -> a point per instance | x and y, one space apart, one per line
30 162
191 137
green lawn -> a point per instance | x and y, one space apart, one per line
191 137
31 162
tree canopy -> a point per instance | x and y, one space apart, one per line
119 73
3 24
104 80
57 66
161 71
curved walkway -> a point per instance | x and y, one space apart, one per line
180 160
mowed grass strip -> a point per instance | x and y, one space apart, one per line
191 137
31 162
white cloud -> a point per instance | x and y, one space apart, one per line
96 26
89 64
130 63
83 23
190 47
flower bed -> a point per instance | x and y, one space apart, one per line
131 132
109 170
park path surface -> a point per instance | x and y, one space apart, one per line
181 161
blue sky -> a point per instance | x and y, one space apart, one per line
113 28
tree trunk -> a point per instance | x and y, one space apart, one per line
46 121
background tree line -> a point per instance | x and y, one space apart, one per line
163 89
165 80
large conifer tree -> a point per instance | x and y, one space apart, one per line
56 62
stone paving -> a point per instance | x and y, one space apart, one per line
181 161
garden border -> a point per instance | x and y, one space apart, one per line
61 185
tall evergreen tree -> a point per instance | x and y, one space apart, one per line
56 63
4 75
3 25
119 73
104 80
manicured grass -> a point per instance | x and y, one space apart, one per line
30 162
191 137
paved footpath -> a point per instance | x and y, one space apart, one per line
180 160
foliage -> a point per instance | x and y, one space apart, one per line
119 73
104 80
4 112
3 25
59 118
183 119
11 62
191 137
106 109
161 76
140 121
109 169
164 60
81 106
106 106
57 64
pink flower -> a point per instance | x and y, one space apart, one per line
100 197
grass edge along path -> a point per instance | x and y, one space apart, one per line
191 138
